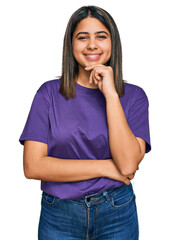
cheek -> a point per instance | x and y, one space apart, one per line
77 53
109 49
106 47
109 46
77 48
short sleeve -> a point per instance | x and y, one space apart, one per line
37 124
138 116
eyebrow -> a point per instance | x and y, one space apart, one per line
88 33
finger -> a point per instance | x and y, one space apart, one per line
130 177
92 78
127 181
97 76
96 81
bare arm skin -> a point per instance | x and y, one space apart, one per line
37 165
127 150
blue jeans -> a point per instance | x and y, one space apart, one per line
110 215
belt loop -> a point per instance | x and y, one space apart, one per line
105 193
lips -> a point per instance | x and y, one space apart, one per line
93 57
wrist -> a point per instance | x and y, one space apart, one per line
107 167
104 165
111 96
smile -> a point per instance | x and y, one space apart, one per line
93 57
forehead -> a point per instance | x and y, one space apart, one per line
90 25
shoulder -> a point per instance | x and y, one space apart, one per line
48 87
134 92
135 96
131 89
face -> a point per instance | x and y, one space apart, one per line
91 43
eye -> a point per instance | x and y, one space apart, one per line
102 37
82 38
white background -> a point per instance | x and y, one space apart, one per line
30 53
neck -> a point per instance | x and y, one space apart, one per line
83 78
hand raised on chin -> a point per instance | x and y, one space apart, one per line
102 76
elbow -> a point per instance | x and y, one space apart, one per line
130 167
27 176
128 170
32 169
32 159
28 172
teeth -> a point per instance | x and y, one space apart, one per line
93 55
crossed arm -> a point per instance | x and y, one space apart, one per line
126 149
127 152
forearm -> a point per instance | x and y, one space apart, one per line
124 147
70 170
37 165
65 170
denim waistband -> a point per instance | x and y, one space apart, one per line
92 199
96 198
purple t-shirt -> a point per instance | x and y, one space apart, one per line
77 129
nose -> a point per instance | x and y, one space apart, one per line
91 44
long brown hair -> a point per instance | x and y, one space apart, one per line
69 64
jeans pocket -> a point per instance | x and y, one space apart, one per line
49 199
123 197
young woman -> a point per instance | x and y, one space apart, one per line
85 136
